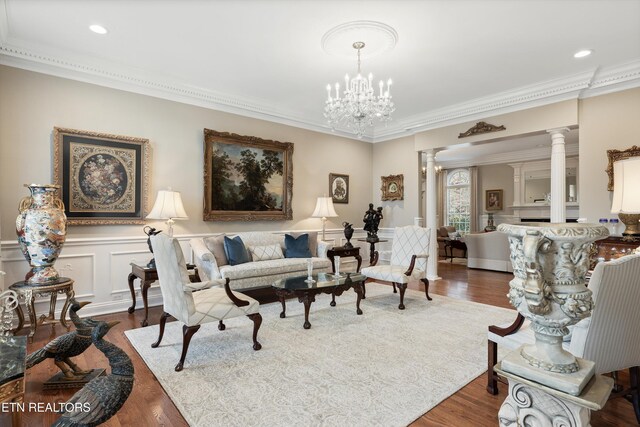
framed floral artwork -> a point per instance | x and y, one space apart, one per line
339 187
246 178
104 178
392 187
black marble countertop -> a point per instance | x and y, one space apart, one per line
13 352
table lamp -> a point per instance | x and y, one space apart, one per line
324 209
626 195
168 206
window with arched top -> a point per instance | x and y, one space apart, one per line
458 199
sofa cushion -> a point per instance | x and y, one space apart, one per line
313 241
265 253
297 247
215 245
235 251
272 267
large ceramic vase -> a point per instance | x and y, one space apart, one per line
42 228
550 262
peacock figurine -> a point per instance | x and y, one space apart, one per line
101 397
71 344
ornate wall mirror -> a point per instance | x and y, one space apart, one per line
614 156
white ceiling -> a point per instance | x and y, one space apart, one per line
263 58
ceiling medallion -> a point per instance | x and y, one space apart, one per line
379 37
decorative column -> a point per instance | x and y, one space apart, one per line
558 175
431 212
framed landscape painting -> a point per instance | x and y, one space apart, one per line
104 178
339 188
246 178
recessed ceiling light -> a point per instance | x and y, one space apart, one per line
98 29
583 53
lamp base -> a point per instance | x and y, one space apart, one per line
632 224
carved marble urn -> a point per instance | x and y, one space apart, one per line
550 262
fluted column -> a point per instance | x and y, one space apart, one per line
558 175
431 212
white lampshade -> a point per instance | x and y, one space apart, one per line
168 205
324 208
626 186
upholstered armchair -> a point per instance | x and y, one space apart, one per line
196 303
610 337
409 253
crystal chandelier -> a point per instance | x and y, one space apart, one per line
358 105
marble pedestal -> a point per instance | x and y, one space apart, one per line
572 383
530 403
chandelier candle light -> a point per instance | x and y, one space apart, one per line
358 105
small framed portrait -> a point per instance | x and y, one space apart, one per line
339 187
392 187
493 200
104 178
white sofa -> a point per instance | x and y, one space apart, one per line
489 251
211 263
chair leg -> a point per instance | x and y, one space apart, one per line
634 376
163 321
426 287
257 321
221 326
187 332
394 288
364 290
492 359
401 287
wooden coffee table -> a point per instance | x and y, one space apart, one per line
325 283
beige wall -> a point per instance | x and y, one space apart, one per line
532 120
392 158
31 104
606 122
495 177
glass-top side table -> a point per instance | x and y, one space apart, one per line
29 291
13 353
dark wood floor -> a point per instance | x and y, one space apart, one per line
148 404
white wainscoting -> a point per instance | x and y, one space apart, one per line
100 268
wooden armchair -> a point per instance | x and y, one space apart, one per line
208 304
610 337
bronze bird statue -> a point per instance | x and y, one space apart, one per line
71 344
101 397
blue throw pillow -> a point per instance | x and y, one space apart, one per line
235 250
296 247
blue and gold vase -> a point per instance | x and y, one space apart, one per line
42 228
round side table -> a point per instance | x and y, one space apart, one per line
29 292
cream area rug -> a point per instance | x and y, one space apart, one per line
459 261
386 367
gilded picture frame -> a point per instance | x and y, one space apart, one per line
614 156
339 187
392 187
103 178
493 200
246 178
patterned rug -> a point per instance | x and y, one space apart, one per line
386 367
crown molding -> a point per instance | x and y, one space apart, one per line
90 70
510 157
582 85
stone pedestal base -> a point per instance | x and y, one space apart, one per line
530 403
569 383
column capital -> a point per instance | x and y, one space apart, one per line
558 130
